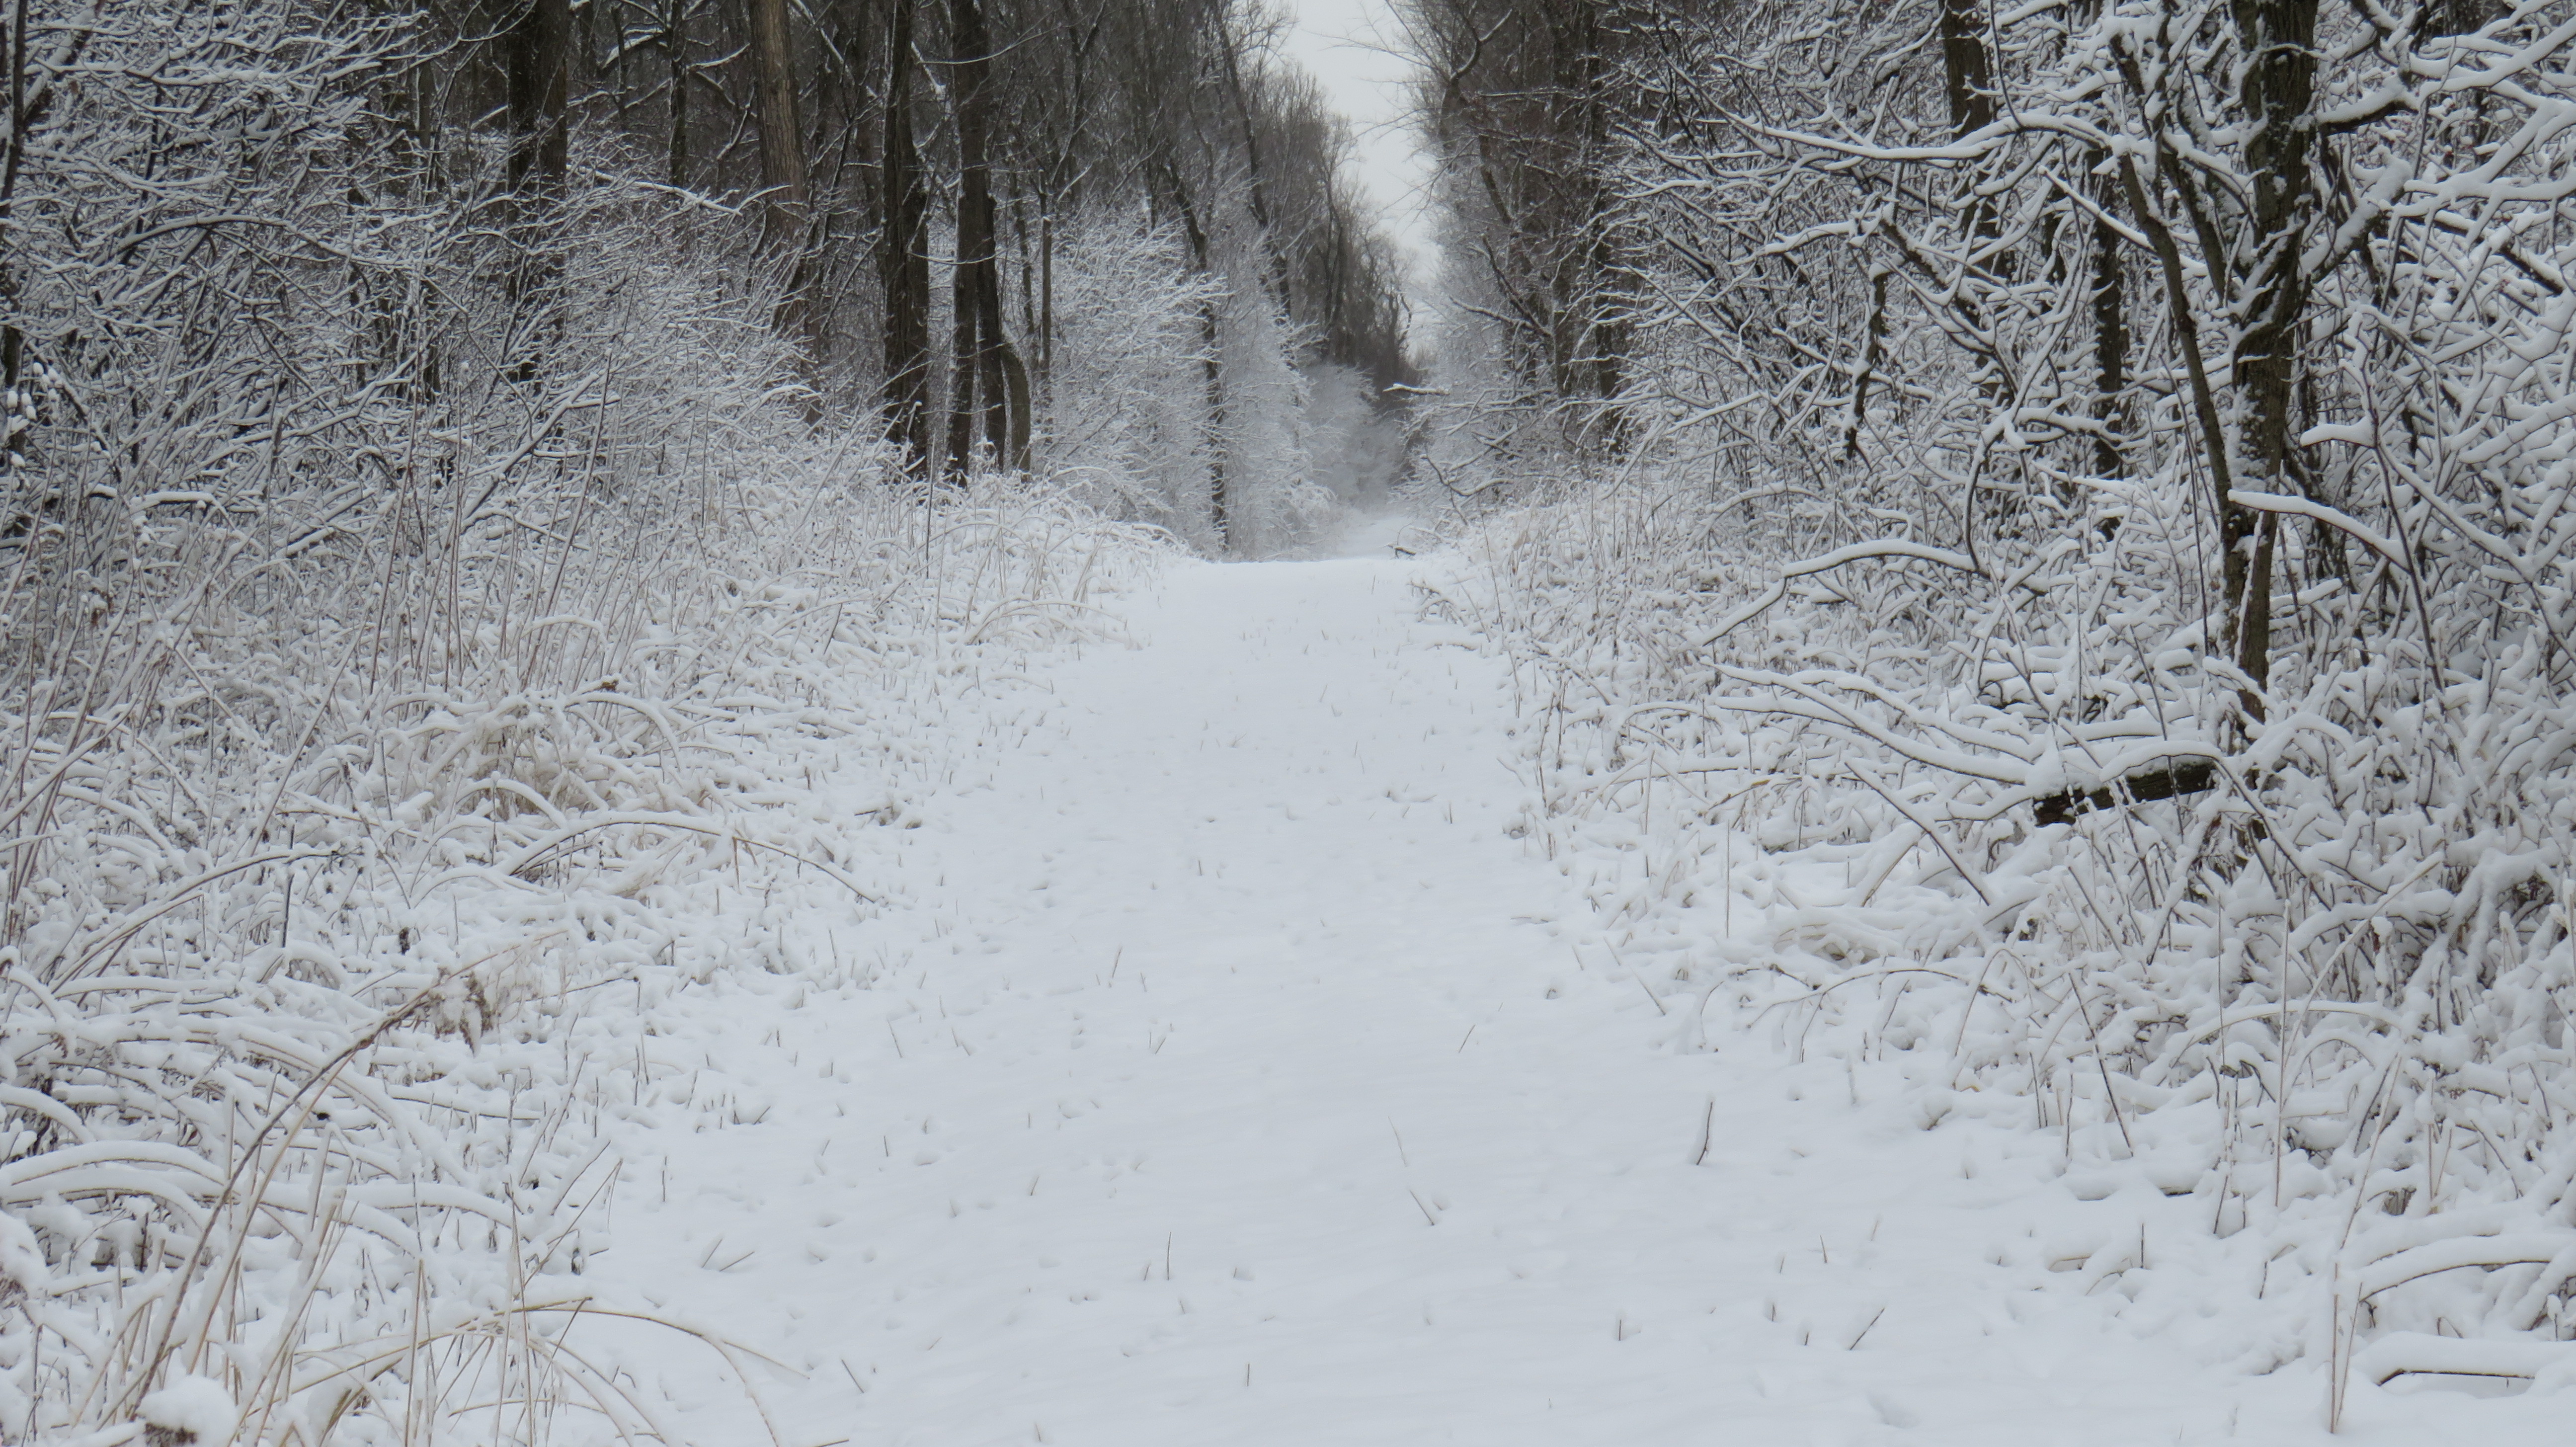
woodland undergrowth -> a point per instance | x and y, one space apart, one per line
348 891
2065 587
430 593
355 839
2323 999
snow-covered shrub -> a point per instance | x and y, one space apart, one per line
1275 504
1152 418
384 670
1129 375
1926 668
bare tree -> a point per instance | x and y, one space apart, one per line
1521 98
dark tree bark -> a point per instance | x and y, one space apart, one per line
786 211
847 128
538 45
13 342
2276 88
1066 128
674 42
2459 17
969 73
1872 349
2110 342
539 42
1046 300
1966 77
903 255
1967 80
982 390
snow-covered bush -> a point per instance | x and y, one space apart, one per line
1129 376
1153 419
1964 640
400 619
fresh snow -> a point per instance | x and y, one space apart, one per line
1228 1064
192 1410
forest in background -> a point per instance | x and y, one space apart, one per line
2057 511
1104 236
2083 485
460 459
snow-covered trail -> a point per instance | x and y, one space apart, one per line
1231 1073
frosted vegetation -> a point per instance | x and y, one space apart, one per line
2032 542
2074 531
446 500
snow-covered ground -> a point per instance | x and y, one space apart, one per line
1226 1067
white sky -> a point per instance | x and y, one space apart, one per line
1352 47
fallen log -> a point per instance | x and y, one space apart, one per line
2182 776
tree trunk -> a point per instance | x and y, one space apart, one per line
785 215
1046 300
13 342
903 257
539 43
1015 376
675 52
980 392
1968 81
1278 277
2275 39
2110 340
1213 370
1966 77
1212 362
